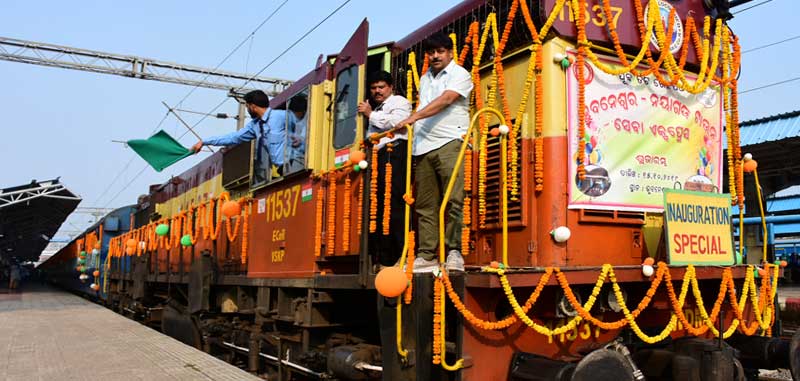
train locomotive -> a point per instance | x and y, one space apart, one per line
582 260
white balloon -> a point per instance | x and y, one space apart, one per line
503 129
561 234
748 156
647 270
363 164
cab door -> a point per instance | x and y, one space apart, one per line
349 76
347 132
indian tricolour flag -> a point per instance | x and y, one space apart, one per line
341 157
307 192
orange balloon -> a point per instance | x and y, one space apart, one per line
750 166
494 131
494 264
784 264
130 250
97 245
130 242
391 282
231 208
96 273
357 156
648 261
762 273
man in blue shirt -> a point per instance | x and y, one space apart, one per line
267 126
297 133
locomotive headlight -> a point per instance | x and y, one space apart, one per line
613 303
564 308
561 234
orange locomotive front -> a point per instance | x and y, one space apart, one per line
584 127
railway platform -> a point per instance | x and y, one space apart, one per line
49 334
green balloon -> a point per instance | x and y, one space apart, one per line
356 168
83 254
82 261
186 240
162 230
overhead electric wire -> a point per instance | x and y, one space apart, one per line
249 37
770 85
242 86
125 168
771 44
188 94
191 91
751 7
272 62
125 187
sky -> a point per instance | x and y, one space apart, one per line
58 122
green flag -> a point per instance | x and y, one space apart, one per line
159 150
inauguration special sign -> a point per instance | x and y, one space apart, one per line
698 228
641 137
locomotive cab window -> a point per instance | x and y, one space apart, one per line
296 133
346 107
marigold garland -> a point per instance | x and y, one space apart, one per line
508 320
409 292
467 212
346 215
410 79
246 218
373 191
579 70
437 320
735 143
330 232
318 223
387 192
762 303
501 85
477 50
232 235
360 206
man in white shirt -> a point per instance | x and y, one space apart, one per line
439 125
389 109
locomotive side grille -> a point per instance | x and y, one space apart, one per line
620 217
493 214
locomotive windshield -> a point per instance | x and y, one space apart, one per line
344 125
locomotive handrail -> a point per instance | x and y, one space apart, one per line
503 206
373 138
406 227
503 179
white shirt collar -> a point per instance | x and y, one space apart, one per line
445 70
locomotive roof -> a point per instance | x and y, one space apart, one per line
441 21
30 215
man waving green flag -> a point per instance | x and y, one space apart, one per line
159 150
